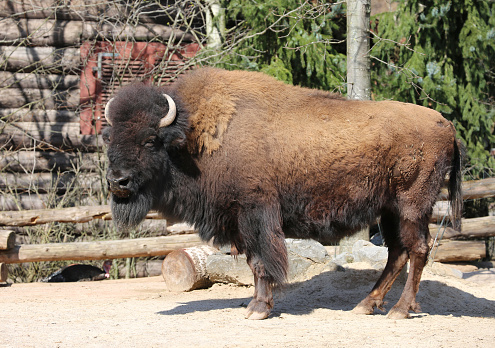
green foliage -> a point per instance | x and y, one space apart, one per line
291 40
445 61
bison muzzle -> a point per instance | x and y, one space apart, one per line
250 160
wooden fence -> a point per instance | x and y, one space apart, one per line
450 245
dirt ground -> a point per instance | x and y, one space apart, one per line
314 313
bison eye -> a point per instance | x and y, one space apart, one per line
150 142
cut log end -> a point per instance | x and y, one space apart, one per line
185 269
7 239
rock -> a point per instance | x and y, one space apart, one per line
306 259
307 248
343 258
364 251
224 268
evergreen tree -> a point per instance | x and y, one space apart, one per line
292 40
445 61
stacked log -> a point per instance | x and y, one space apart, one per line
40 99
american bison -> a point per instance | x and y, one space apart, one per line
250 160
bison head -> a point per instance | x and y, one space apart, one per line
143 127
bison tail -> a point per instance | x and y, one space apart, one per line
455 189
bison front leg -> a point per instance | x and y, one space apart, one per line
264 244
262 302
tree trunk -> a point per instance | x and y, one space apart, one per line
215 24
358 45
358 72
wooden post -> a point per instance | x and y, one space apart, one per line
7 239
4 273
185 269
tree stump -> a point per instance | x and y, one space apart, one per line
185 269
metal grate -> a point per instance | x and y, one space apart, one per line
112 65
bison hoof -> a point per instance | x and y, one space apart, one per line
367 306
362 309
257 310
397 313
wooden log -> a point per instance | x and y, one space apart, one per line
440 212
51 182
113 249
4 273
482 227
26 114
74 9
39 81
50 59
474 189
39 98
93 10
453 251
48 136
7 239
43 216
37 161
185 269
11 201
50 32
73 215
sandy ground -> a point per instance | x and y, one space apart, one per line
314 313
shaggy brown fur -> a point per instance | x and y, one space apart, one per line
250 160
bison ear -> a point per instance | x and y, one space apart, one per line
172 137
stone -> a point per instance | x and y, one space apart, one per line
365 251
306 259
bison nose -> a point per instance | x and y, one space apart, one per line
119 183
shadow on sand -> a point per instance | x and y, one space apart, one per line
343 290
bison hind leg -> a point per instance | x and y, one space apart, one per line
416 242
397 259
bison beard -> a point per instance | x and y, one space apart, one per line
130 211
250 161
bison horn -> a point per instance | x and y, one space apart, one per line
106 112
172 111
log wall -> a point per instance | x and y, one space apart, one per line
40 97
